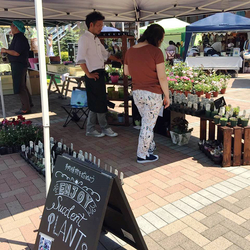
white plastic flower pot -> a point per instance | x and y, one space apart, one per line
180 139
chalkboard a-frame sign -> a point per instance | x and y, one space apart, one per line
82 200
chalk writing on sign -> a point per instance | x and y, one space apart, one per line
75 189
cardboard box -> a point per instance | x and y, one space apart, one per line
8 91
7 79
34 79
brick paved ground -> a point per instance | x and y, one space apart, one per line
182 201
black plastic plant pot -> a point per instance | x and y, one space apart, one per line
216 120
244 122
208 113
223 122
213 113
233 123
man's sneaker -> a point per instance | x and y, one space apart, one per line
109 132
95 134
150 158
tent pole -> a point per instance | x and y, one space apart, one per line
58 41
122 26
44 92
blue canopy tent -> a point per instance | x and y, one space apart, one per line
219 22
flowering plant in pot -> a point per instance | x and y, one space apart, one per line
198 87
224 79
207 89
16 132
180 133
215 87
114 76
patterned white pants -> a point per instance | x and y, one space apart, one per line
149 105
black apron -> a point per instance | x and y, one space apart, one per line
96 92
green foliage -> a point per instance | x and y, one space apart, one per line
70 37
180 125
64 56
18 132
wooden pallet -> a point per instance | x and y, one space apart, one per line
235 141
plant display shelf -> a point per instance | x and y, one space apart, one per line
236 141
125 83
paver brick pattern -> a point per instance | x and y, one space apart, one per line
182 201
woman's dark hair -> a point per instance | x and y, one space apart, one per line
153 35
93 17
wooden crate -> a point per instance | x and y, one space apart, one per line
236 141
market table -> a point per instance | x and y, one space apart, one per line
215 62
61 88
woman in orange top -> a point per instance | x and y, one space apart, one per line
145 63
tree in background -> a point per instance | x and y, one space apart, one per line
70 37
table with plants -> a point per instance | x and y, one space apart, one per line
223 130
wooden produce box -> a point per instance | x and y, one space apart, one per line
236 141
34 79
58 68
7 85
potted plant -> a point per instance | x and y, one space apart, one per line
180 133
111 116
224 79
207 89
236 111
244 121
217 119
114 76
16 132
215 87
121 117
233 121
223 121
198 87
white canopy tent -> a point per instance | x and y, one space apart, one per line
59 11
125 10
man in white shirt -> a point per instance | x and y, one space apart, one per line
49 44
91 56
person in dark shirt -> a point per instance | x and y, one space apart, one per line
18 54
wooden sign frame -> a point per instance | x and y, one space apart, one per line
84 199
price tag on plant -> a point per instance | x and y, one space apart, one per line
64 147
31 144
36 148
208 107
195 106
52 139
23 148
71 146
74 154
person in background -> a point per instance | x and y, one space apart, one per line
91 56
178 45
145 63
18 54
219 46
171 52
49 44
